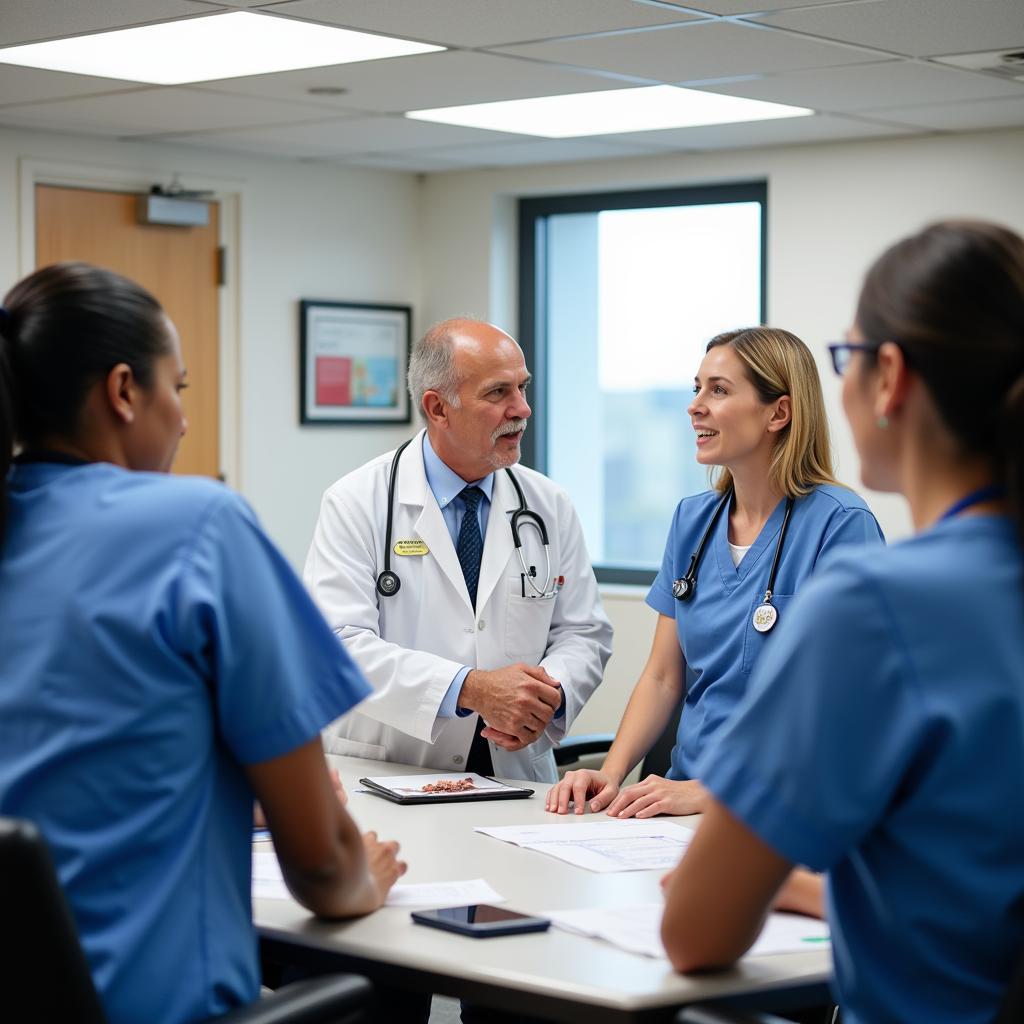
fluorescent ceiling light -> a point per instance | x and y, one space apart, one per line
201 49
652 108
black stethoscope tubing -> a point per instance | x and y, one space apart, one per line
388 583
683 589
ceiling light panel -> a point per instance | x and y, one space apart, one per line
210 48
654 108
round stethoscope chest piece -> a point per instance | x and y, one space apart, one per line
682 589
388 583
765 616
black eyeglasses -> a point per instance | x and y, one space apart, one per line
840 351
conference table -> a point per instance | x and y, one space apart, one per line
556 974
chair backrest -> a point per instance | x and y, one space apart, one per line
1012 1010
659 757
43 975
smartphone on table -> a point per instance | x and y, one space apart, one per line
481 920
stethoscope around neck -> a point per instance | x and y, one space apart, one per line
765 614
388 583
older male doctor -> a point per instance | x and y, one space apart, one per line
479 662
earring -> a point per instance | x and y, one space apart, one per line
883 422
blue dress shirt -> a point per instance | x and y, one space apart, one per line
446 485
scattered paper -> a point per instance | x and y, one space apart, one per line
637 930
626 845
443 894
267 881
268 884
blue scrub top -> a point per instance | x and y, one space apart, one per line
883 740
716 635
152 642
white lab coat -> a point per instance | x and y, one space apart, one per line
412 644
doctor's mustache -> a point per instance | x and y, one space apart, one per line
511 427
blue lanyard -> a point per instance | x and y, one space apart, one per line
990 492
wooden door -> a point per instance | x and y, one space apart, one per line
179 265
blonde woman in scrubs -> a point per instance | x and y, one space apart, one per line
758 415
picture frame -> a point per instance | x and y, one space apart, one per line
353 360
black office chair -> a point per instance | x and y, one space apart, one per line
658 759
44 975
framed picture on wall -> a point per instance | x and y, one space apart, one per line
353 358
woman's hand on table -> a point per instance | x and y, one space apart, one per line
579 786
656 795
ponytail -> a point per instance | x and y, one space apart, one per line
1011 430
62 329
6 417
952 297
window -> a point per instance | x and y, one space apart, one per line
619 295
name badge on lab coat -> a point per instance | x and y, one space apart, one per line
411 547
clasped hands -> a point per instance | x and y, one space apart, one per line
646 799
517 702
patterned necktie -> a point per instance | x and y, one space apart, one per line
470 547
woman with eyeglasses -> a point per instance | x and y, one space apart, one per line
735 556
882 740
161 665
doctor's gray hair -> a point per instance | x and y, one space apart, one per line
432 364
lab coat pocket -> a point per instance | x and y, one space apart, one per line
526 624
354 748
753 641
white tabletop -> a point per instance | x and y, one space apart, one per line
562 975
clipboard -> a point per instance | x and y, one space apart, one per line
408 789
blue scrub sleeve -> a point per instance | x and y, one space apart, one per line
852 526
277 671
829 727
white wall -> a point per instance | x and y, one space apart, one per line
447 245
305 231
832 209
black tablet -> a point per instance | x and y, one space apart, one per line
442 788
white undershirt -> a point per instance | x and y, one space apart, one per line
738 551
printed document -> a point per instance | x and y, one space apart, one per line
636 930
268 884
626 845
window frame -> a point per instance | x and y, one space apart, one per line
533 212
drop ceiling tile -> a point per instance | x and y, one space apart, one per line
1006 113
695 52
421 82
338 137
913 27
30 85
413 162
867 86
241 4
789 131
543 151
724 7
156 111
26 21
482 22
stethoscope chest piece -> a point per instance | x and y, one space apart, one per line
388 583
682 589
765 616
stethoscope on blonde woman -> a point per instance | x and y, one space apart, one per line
765 614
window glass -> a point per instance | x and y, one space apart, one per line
630 297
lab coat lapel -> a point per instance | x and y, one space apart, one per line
498 542
430 526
